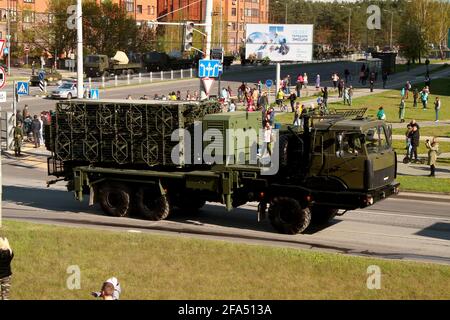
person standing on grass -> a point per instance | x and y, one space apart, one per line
305 81
298 87
407 89
268 138
341 85
437 107
6 256
280 98
433 150
335 79
401 111
346 96
424 98
297 114
415 97
381 115
350 96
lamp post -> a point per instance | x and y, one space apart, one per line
392 27
349 32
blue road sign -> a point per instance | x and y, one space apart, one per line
269 83
41 75
208 68
23 88
94 94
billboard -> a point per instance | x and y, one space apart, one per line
279 42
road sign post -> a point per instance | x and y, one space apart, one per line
269 84
2 77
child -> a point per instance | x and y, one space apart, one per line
6 255
110 290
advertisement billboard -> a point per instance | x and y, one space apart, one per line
279 42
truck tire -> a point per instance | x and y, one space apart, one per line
152 207
321 215
115 199
287 216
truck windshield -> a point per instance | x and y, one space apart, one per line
92 59
376 140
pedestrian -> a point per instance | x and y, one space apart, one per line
25 112
178 95
268 138
381 115
415 141
350 96
41 131
232 106
433 150
346 96
335 79
129 97
280 98
437 107
6 256
18 138
305 81
424 98
415 97
325 97
403 93
408 139
372 80
298 88
110 290
341 85
407 89
401 111
347 75
297 114
263 101
385 79
318 82
241 92
292 98
35 129
428 81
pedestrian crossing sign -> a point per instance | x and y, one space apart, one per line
94 94
23 88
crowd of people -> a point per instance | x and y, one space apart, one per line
29 129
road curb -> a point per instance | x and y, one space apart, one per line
432 197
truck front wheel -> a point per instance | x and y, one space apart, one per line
322 215
115 199
287 216
151 206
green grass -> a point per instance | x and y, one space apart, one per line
424 184
390 101
400 145
436 131
438 69
163 267
403 67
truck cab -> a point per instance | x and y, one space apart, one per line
96 65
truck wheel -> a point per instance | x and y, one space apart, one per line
287 216
151 207
115 199
322 215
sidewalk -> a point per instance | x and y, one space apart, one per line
422 169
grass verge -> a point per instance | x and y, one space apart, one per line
163 267
400 147
424 184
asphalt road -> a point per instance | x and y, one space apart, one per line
394 229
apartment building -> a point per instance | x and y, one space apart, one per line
231 15
25 13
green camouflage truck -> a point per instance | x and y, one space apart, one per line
147 158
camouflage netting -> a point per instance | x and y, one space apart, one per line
121 132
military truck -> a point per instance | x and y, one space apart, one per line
129 157
98 65
160 61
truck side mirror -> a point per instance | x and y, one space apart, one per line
339 145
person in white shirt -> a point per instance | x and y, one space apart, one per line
232 106
268 138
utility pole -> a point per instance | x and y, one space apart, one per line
208 32
8 37
349 28
80 84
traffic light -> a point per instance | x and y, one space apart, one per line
188 35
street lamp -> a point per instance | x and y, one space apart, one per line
392 26
349 33
286 9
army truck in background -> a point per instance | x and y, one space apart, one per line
121 154
99 65
160 61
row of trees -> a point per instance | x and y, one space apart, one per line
416 24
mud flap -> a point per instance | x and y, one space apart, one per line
91 196
262 211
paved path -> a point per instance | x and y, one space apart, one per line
422 169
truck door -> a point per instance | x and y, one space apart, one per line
348 161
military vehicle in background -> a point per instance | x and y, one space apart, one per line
121 153
327 51
52 77
99 65
160 61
